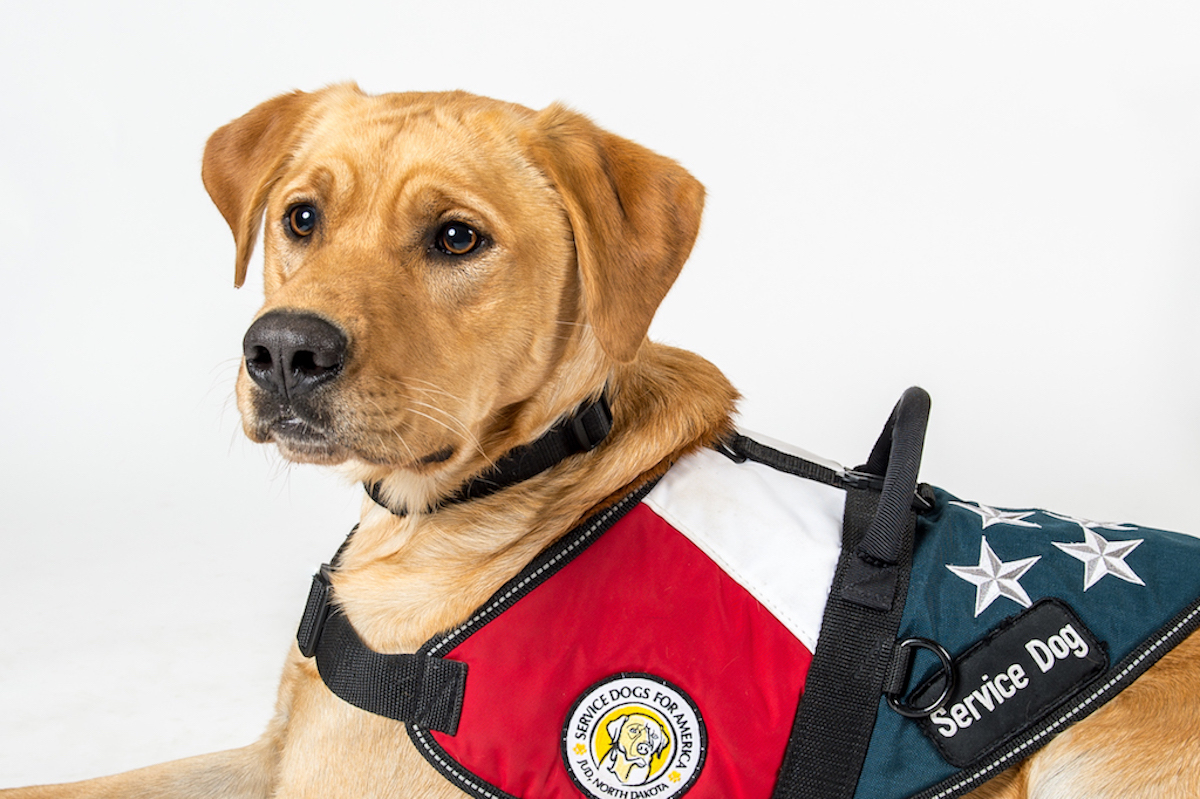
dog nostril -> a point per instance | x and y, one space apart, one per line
259 358
314 363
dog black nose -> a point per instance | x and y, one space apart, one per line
290 353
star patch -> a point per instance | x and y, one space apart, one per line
1102 557
993 578
992 516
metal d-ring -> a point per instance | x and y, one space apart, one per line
896 700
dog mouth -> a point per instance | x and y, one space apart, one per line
301 441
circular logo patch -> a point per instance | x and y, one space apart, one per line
631 736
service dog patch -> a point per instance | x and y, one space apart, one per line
634 735
1013 677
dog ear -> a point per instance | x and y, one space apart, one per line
614 727
243 159
635 216
662 742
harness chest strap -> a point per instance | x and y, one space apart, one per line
412 688
573 613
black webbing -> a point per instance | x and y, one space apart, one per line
843 688
413 688
740 447
417 689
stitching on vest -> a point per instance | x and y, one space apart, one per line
532 577
448 769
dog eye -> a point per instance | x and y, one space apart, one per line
301 220
455 238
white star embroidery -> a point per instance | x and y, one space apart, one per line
1088 524
992 516
993 578
1102 557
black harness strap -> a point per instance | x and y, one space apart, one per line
858 630
413 688
417 689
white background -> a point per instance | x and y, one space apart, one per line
997 201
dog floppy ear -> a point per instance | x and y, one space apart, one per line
614 727
660 744
635 216
243 159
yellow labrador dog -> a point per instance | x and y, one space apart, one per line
448 277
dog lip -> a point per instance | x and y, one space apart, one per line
441 456
300 441
299 434
295 427
303 439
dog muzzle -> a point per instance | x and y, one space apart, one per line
761 623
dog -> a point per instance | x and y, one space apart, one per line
447 278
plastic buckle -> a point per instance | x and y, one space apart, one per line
856 479
316 611
603 415
730 449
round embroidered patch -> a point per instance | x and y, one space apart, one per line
633 736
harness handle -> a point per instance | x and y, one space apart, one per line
872 568
897 457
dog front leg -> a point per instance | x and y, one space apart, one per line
247 773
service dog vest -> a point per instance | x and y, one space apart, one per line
662 648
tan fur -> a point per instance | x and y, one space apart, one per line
453 362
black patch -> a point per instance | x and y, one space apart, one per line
1012 679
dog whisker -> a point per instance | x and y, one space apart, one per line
474 442
395 434
461 425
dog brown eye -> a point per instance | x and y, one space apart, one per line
302 220
455 238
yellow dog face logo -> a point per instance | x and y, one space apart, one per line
634 731
637 739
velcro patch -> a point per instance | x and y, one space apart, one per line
1011 680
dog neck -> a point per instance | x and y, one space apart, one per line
580 432
434 569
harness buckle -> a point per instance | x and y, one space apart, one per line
316 611
600 413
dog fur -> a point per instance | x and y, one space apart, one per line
451 360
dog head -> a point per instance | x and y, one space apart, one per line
637 738
445 275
